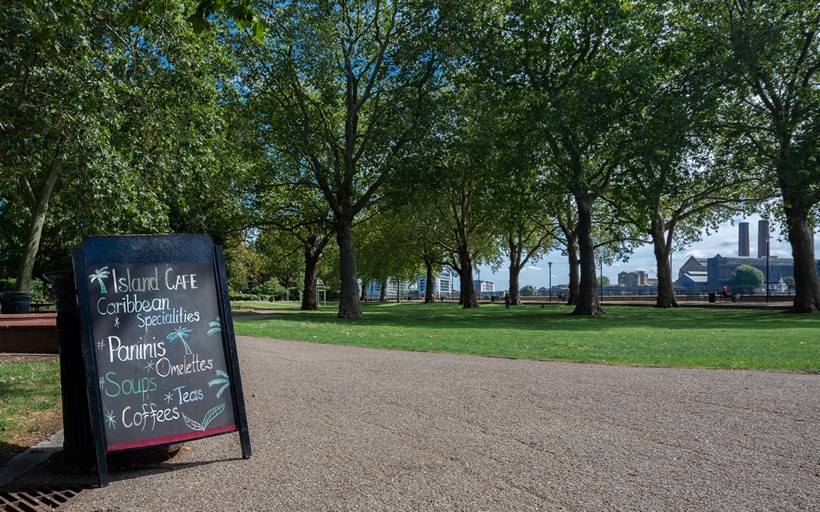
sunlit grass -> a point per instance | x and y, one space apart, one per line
684 337
30 401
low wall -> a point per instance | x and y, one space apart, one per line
29 333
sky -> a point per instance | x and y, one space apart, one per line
723 241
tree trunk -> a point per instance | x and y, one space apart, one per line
574 272
38 219
383 290
515 296
363 296
468 294
309 300
588 300
430 286
807 291
515 270
662 248
349 305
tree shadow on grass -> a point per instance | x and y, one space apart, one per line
534 318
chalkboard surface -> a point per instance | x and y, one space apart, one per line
159 352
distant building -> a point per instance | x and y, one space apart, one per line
483 288
716 271
442 286
743 239
633 279
374 289
719 269
693 272
762 234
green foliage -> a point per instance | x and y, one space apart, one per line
528 291
241 12
125 105
36 291
468 123
767 56
337 92
241 265
746 278
272 287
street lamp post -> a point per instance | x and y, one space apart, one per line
768 239
550 266
601 281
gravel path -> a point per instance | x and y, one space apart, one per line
341 428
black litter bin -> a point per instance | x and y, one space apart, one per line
14 303
713 297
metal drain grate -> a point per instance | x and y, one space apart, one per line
36 499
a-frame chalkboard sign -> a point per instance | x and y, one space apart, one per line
158 342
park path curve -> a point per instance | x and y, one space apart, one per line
346 428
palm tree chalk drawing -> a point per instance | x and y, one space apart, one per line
224 380
181 333
99 275
215 327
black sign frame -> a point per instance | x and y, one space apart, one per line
140 252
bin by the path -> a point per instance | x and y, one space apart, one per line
14 303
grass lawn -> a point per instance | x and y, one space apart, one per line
31 406
644 336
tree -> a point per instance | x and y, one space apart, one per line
280 203
524 214
768 50
416 230
390 244
789 282
677 179
110 124
567 219
241 265
528 291
571 57
460 172
746 278
48 113
341 88
673 202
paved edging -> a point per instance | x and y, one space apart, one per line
31 458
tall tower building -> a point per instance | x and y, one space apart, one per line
743 239
762 233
